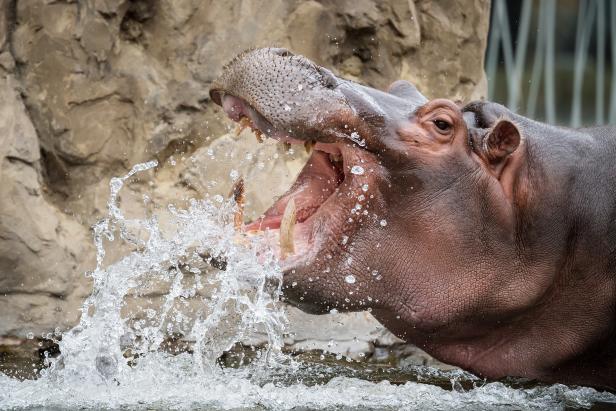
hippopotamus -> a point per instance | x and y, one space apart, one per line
483 237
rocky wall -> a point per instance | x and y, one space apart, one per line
89 88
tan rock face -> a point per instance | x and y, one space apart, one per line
42 249
89 88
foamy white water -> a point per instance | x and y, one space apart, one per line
109 362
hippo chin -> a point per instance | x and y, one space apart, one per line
483 237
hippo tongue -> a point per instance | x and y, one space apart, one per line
316 182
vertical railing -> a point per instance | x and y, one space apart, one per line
591 18
582 39
612 116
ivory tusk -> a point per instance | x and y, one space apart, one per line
287 225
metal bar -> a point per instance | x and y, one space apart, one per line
612 118
492 58
520 54
550 33
600 80
535 81
501 12
585 20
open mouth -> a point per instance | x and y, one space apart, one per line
326 198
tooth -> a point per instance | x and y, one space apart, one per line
258 135
309 145
335 157
244 122
238 195
287 225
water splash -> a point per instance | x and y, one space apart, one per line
110 360
356 138
245 293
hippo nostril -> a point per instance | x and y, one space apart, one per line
327 78
281 52
216 96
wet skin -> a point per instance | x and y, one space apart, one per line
483 237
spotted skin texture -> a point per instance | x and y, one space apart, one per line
488 240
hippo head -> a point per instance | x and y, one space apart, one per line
403 206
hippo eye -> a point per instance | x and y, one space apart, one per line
442 125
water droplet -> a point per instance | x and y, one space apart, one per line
357 170
357 139
345 239
350 279
287 107
300 87
234 174
30 335
383 223
364 188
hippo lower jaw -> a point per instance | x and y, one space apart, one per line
325 193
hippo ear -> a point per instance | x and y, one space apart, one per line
498 144
407 91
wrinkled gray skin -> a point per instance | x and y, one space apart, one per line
499 250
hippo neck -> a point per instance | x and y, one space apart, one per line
563 223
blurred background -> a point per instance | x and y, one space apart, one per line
554 60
